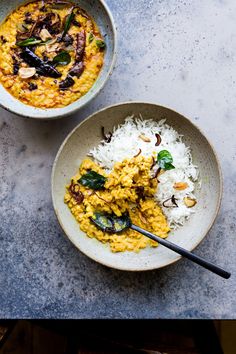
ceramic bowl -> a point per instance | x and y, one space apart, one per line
87 135
103 17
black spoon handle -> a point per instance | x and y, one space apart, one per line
183 252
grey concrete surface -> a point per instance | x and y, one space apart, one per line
178 53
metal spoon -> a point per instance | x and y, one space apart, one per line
114 224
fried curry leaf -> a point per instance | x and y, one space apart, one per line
100 44
68 22
110 222
90 37
28 42
63 58
93 180
165 159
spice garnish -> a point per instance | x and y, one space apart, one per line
138 153
140 193
76 193
110 222
68 82
180 186
63 58
3 39
83 13
42 68
153 163
32 86
165 160
158 139
80 46
68 40
68 21
60 4
29 41
100 44
93 180
26 73
45 35
107 137
90 37
78 67
101 198
144 138
173 204
156 173
142 218
16 65
189 202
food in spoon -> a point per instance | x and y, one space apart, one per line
55 46
142 169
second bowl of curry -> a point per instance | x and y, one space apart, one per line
56 55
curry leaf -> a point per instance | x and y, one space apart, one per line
93 180
29 41
69 19
110 222
165 160
100 44
63 58
90 37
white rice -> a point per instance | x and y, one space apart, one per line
125 143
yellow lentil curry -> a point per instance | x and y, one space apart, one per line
128 188
51 53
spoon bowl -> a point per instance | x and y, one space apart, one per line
116 224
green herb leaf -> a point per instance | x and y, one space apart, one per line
101 44
63 58
69 19
90 37
110 222
29 41
165 160
93 180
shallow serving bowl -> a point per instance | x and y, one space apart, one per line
87 135
103 17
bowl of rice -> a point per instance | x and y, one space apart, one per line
183 190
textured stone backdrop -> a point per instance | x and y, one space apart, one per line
177 53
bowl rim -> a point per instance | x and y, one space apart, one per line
58 115
178 257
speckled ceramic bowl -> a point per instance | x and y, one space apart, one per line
87 135
103 17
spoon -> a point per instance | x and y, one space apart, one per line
113 224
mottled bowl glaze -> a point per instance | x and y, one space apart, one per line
87 135
103 17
